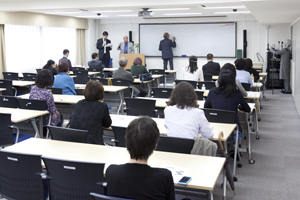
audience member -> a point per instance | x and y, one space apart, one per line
242 75
211 67
138 67
95 63
136 179
192 72
63 80
66 59
183 118
249 68
51 66
91 113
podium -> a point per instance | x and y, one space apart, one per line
131 58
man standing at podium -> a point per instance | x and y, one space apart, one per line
165 47
104 46
126 47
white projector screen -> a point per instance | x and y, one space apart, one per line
191 39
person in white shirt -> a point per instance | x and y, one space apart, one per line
192 72
242 75
183 118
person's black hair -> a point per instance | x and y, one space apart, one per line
44 78
65 51
249 63
50 62
240 63
193 64
141 138
226 80
105 33
94 55
166 35
209 56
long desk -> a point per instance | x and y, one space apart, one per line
22 83
204 170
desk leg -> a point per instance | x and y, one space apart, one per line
149 89
257 108
158 81
224 183
256 125
121 106
236 150
41 126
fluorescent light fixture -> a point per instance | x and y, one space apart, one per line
237 12
128 15
63 13
112 11
224 7
183 14
167 9
91 16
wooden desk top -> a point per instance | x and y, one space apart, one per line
263 74
257 84
60 98
250 95
204 170
107 88
124 120
161 102
23 83
109 69
19 115
2 89
171 71
137 80
89 73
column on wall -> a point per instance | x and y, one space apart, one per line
80 40
2 50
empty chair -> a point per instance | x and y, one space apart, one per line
199 95
10 90
219 116
32 104
246 86
119 133
19 176
208 84
31 78
96 196
193 83
69 180
26 75
95 70
11 75
104 81
162 92
54 90
80 72
9 102
175 145
6 132
81 77
136 107
207 77
69 134
159 71
79 91
118 82
78 69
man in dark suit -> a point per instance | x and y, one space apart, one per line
104 46
211 67
66 59
165 47
95 63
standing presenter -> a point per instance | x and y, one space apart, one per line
104 46
165 47
126 47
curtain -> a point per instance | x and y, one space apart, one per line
30 47
80 40
2 51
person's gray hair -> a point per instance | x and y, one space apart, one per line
288 44
123 61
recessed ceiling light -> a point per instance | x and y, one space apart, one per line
224 7
63 13
166 9
183 14
90 16
128 15
111 11
238 12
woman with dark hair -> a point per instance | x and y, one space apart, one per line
138 67
192 72
51 66
227 96
242 75
91 113
249 68
63 80
183 118
39 92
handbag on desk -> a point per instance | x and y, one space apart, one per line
146 77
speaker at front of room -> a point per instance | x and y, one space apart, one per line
245 43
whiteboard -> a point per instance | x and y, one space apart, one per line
191 39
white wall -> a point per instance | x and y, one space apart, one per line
295 67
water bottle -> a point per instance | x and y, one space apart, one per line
252 78
203 87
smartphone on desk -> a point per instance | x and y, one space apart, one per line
184 180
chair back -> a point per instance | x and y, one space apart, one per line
246 86
9 102
80 72
32 104
136 107
200 95
38 70
27 75
54 90
7 84
31 77
162 92
68 134
11 75
79 91
104 81
219 116
6 133
96 196
119 82
208 84
81 79
157 71
119 133
78 69
19 177
175 145
71 180
207 77
95 70
193 83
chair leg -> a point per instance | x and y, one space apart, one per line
33 123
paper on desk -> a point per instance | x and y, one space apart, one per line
177 172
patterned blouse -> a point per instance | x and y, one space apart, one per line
43 94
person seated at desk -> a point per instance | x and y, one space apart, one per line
192 72
121 74
65 58
183 118
242 75
51 66
136 179
91 113
211 67
227 96
63 80
39 92
249 68
95 63
138 67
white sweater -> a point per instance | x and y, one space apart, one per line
192 77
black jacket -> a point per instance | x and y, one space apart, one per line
101 48
211 68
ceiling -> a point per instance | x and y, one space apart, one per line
265 11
